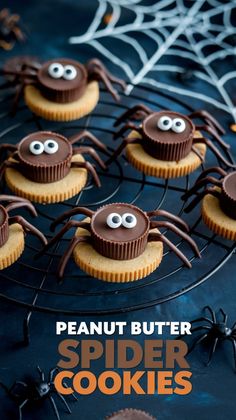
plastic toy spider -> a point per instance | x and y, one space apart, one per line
120 232
46 157
62 80
8 256
9 29
214 331
32 392
226 193
168 135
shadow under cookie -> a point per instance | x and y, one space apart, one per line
49 193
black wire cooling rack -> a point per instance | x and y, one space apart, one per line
32 284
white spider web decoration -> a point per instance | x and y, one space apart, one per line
152 43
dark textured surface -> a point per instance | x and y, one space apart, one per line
213 396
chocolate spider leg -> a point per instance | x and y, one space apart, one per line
97 63
101 76
127 126
8 164
197 153
20 408
86 134
90 151
73 212
41 373
54 407
27 227
17 202
64 401
122 146
8 148
232 339
213 169
198 341
199 184
214 149
208 118
225 317
209 309
90 168
70 224
180 233
200 196
159 237
208 129
131 112
64 260
212 351
170 216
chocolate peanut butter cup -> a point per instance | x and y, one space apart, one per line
228 195
4 227
130 414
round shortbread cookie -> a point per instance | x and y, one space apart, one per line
13 248
62 112
117 271
151 166
53 192
216 219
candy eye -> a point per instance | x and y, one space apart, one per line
36 147
178 125
129 221
70 72
114 220
51 146
56 70
164 123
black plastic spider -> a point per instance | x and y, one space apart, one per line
32 392
214 331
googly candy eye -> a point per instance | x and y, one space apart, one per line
56 70
129 221
164 123
178 125
114 220
70 72
36 147
51 146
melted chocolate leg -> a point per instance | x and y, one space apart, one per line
7 147
159 237
132 112
97 63
28 228
163 213
128 126
61 233
200 196
214 149
73 212
208 129
208 118
90 151
179 232
89 168
17 202
8 164
125 142
96 73
201 183
67 254
198 153
213 169
86 134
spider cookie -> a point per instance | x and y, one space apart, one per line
119 242
45 167
130 414
168 144
218 202
63 89
12 229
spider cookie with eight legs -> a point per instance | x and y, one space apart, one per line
119 242
45 167
12 229
218 202
62 89
168 144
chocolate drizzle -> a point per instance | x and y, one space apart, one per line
167 145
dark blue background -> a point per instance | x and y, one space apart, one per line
49 24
